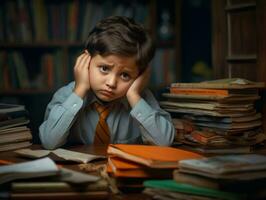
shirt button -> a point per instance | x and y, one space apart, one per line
139 115
74 105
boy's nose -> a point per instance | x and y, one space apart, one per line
111 81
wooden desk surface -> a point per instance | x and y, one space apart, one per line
12 157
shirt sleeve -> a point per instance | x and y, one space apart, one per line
59 117
156 124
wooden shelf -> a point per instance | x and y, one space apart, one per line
240 7
239 58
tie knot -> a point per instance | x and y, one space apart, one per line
102 110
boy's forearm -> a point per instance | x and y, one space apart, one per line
80 91
156 124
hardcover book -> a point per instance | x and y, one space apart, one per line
151 156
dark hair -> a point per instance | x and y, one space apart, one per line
121 36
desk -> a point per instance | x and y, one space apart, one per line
97 150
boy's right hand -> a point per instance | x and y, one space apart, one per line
81 74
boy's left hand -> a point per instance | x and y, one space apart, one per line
133 93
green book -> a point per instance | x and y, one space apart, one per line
174 186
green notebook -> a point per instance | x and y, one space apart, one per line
174 186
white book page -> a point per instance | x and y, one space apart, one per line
40 165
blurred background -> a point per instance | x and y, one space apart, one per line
41 39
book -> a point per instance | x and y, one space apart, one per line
14 145
148 155
213 92
214 113
221 184
37 168
207 106
156 193
171 185
61 153
244 166
223 149
230 126
231 83
13 115
222 99
14 130
6 108
13 123
57 186
196 180
200 118
118 167
62 195
15 137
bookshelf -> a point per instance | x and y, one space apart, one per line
239 42
41 39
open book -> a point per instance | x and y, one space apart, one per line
151 156
37 168
62 153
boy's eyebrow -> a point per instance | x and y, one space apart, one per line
129 70
107 64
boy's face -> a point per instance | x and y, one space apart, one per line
111 76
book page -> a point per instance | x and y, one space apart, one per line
40 165
62 153
32 153
36 168
75 156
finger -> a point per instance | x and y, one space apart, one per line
79 59
85 61
86 51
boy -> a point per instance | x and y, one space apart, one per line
111 74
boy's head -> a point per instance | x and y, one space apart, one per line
122 36
120 51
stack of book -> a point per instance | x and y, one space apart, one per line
216 116
219 177
129 165
43 179
14 133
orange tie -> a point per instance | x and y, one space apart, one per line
102 134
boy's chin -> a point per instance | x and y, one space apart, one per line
105 100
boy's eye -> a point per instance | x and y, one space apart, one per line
125 76
104 69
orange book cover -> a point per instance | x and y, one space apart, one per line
150 155
124 168
196 91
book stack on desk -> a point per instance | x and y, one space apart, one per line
221 115
219 177
42 178
130 165
14 133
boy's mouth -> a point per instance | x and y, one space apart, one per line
106 93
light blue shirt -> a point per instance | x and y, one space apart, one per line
70 119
